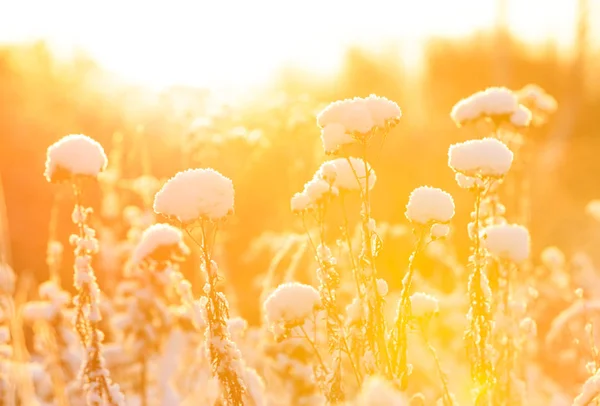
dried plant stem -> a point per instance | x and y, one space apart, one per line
400 339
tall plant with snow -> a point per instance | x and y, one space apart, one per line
478 164
200 199
429 210
73 159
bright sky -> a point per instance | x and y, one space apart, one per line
219 42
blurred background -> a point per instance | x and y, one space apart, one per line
236 86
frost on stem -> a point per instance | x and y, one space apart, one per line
202 199
74 158
427 209
356 120
144 316
484 162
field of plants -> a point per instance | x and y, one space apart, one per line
292 249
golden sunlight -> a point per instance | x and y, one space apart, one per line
232 43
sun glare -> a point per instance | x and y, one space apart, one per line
235 43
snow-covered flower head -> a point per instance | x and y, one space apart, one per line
350 173
480 158
334 136
300 202
72 156
360 115
160 242
496 103
290 305
507 241
423 305
194 194
427 204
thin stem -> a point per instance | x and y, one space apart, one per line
447 397
404 310
314 347
348 239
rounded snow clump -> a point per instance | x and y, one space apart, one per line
300 202
360 115
334 136
290 305
160 242
350 173
194 194
496 103
423 305
479 158
507 241
429 205
72 156
521 117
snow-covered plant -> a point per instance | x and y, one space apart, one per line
7 308
74 159
481 163
356 121
145 318
55 339
426 209
202 199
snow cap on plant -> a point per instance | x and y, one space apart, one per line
508 241
72 156
480 158
496 103
427 204
160 242
194 194
360 115
290 304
